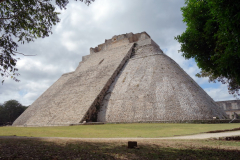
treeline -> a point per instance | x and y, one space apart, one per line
10 111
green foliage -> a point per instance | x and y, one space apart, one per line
212 39
23 21
10 111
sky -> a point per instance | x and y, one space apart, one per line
82 27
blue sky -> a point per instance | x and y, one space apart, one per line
82 27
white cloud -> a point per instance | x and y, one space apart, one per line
220 93
104 10
68 42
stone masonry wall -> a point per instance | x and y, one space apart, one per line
43 100
152 87
73 98
230 107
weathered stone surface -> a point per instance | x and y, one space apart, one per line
74 96
126 79
152 87
230 107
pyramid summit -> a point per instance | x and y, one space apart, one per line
126 79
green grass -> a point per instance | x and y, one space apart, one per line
37 148
160 149
145 130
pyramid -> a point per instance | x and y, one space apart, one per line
126 79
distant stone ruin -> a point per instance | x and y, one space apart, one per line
126 79
231 107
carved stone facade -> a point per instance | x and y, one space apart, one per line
126 79
230 107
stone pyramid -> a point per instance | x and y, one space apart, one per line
126 79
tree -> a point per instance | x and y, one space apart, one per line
10 111
1 116
212 38
23 21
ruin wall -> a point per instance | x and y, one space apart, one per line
230 107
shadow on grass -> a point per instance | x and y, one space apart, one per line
37 149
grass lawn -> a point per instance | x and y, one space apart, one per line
57 149
145 130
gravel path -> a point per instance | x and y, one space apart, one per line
196 136
207 135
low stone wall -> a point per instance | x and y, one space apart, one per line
209 121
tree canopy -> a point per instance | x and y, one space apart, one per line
212 38
10 111
23 21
